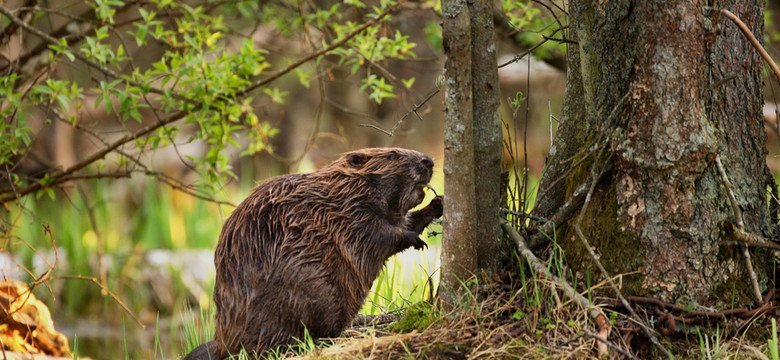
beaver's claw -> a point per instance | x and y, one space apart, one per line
420 244
411 239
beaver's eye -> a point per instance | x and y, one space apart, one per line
393 157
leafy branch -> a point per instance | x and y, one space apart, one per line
213 102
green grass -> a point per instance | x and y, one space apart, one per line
772 344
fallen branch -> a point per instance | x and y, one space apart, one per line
595 313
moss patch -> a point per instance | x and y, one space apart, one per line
621 252
418 317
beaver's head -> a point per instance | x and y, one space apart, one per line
400 175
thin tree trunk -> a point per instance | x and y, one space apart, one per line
458 255
487 137
684 86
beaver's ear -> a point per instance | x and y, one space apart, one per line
357 160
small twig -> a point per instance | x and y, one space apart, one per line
555 16
595 313
102 288
748 34
549 111
505 211
525 132
563 213
741 227
39 280
102 270
315 129
746 238
726 79
743 241
413 110
564 41
520 56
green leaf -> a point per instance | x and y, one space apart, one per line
42 89
304 77
276 95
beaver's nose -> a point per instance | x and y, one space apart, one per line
427 161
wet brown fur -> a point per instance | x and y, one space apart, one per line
303 250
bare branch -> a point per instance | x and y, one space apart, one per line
749 35
398 123
58 177
741 227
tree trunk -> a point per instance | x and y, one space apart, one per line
487 137
472 148
665 86
458 253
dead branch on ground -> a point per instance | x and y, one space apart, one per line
602 323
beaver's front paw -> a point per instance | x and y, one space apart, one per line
411 239
436 207
420 244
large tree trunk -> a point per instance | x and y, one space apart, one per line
472 145
683 86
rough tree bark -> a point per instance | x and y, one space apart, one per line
472 148
684 86
487 137
458 253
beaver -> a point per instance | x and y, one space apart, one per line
302 251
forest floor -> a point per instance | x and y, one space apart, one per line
529 318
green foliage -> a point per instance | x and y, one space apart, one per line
514 103
520 14
533 22
201 70
379 88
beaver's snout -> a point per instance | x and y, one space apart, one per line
425 169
